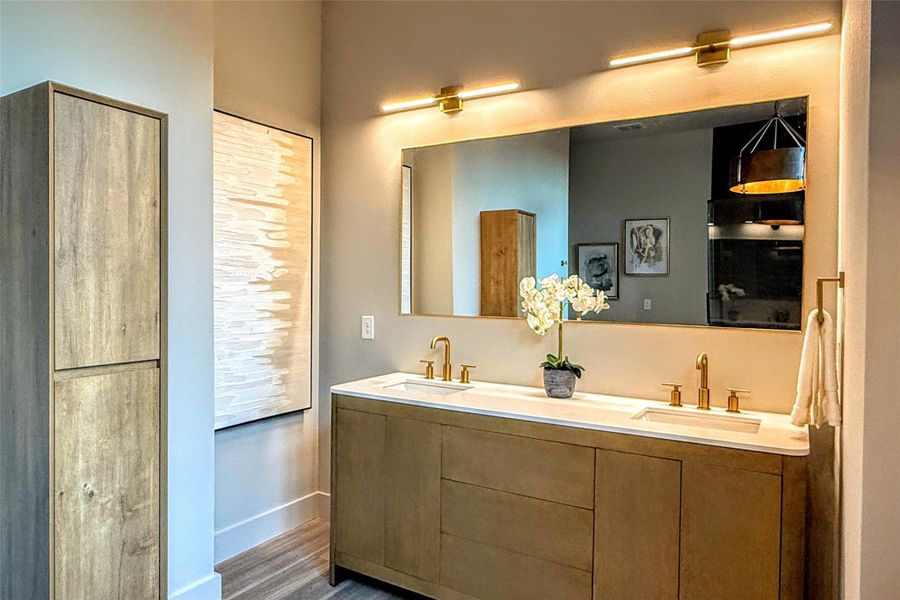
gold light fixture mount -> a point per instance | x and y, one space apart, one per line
713 48
449 101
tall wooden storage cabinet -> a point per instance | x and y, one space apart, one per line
508 255
82 347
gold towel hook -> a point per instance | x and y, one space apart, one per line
820 292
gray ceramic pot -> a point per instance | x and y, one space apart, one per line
559 383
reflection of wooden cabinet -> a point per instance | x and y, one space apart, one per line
508 255
82 368
514 509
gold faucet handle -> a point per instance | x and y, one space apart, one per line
675 395
464 372
734 402
429 368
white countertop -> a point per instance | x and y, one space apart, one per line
776 434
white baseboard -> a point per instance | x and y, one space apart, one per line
323 505
234 539
207 588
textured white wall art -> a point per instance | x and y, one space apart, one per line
262 209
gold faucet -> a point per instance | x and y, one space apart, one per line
703 392
446 374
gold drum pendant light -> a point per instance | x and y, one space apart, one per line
770 169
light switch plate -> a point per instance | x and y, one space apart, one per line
648 304
367 327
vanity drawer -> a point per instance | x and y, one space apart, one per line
537 468
546 530
493 573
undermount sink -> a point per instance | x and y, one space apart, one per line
699 419
434 388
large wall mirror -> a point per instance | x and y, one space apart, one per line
693 218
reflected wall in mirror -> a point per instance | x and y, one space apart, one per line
642 209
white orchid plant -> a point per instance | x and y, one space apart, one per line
545 303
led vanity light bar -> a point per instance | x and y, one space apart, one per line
714 47
450 99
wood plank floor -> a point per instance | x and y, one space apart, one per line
294 566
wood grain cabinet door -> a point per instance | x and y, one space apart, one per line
106 475
359 484
413 498
107 234
636 518
730 533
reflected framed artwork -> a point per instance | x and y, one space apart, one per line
647 246
598 266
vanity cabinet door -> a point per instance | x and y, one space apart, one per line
413 498
360 484
730 533
636 516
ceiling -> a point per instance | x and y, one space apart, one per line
689 121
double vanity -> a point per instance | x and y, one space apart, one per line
489 491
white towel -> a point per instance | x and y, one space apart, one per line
817 383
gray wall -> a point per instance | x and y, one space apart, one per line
881 453
157 55
638 178
528 172
268 69
870 245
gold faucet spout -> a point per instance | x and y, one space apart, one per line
703 366
446 368
703 392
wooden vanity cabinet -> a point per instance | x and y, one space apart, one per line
82 328
462 506
389 493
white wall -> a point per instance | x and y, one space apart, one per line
870 245
454 183
432 228
393 51
157 55
268 69
647 177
